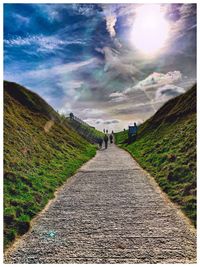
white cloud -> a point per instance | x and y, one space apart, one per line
42 42
156 80
111 19
58 70
110 24
116 94
118 97
160 78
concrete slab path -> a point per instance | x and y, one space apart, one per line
111 211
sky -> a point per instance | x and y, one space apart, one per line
109 64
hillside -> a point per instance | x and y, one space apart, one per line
40 152
166 147
85 130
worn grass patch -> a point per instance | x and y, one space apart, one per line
166 147
40 153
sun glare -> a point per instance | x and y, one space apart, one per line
150 29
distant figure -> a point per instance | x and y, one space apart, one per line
107 131
100 141
111 138
104 130
132 133
124 129
135 124
112 132
106 141
71 115
136 128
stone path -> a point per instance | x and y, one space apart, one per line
111 211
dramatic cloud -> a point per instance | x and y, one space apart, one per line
157 79
82 58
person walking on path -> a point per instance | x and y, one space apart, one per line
100 141
111 138
106 141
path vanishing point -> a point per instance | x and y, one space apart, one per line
110 211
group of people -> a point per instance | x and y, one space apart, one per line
105 139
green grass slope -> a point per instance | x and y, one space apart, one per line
88 132
40 152
166 147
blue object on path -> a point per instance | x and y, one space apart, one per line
51 234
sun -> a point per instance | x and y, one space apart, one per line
150 29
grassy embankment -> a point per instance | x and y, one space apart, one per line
89 133
166 148
40 152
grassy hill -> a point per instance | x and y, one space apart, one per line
166 147
40 152
85 130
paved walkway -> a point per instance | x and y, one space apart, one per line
111 211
